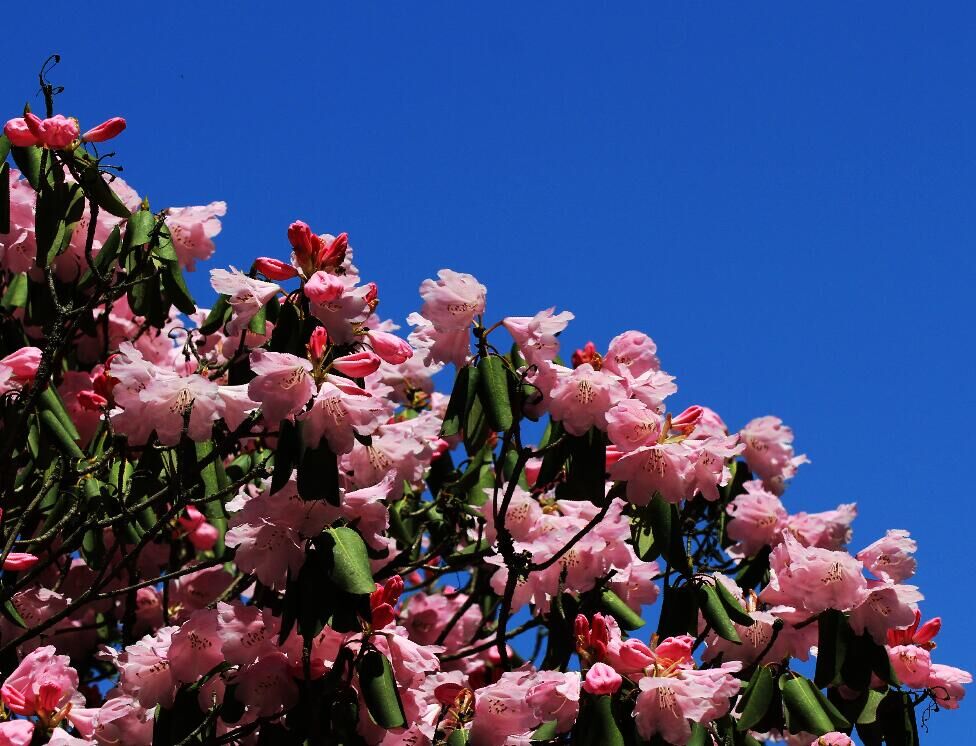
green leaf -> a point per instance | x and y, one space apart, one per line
10 613
626 617
476 428
586 470
896 716
4 148
554 459
379 690
602 728
66 444
715 613
732 605
217 316
28 160
259 321
679 611
756 699
807 708
105 257
833 634
318 474
176 289
209 468
493 387
464 389
16 293
93 183
545 732
350 569
50 400
139 228
59 209
699 736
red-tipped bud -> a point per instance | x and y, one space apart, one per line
203 537
357 365
588 354
91 400
191 518
17 561
105 131
687 420
317 344
927 632
275 269
390 347
372 294
334 254
447 694
306 244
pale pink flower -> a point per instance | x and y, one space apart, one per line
195 647
652 388
426 615
834 738
631 424
267 686
247 633
891 556
246 295
662 467
537 336
283 384
757 519
122 720
343 313
912 664
631 355
829 529
582 397
887 606
709 463
339 410
946 684
165 402
145 669
193 229
238 405
42 683
667 703
19 368
451 303
323 287
769 452
16 732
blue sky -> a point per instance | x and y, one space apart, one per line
781 197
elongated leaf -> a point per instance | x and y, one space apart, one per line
715 613
318 474
101 193
4 147
732 606
16 293
699 736
807 709
65 443
4 198
379 690
175 287
626 617
105 257
465 384
213 509
493 387
50 400
28 160
217 316
832 640
350 569
756 700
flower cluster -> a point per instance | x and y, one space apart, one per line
261 522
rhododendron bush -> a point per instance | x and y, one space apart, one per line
279 519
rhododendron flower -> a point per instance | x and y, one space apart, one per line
631 424
275 269
193 230
758 519
19 368
814 579
16 733
582 397
769 452
663 468
19 133
283 384
43 683
537 336
834 738
323 288
946 684
105 131
145 669
339 410
451 303
601 679
56 132
631 354
246 295
891 556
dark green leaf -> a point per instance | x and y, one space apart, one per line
756 699
101 193
465 385
16 294
176 289
833 634
209 467
715 613
217 316
493 388
28 160
4 198
350 569
65 443
626 617
318 474
379 690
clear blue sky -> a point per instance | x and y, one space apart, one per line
783 198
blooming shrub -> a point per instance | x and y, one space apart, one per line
262 523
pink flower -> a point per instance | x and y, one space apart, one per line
145 669
582 397
631 424
829 529
19 133
631 354
602 680
275 269
537 336
911 664
339 410
451 303
358 364
19 368
814 579
246 295
667 703
709 463
426 615
834 738
267 686
758 519
16 733
203 537
946 685
163 405
41 684
105 131
663 468
323 288
17 561
769 452
247 633
283 384
195 647
193 229
312 252
890 557
390 347
915 634
887 606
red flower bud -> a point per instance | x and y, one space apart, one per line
275 269
105 131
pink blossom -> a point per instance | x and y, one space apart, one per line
267 686
425 617
163 403
769 452
193 229
339 410
195 647
829 529
451 303
834 738
19 368
891 556
105 131
665 704
323 288
652 388
758 519
631 355
358 364
601 679
709 463
283 384
582 397
56 133
246 295
343 309
19 133
18 561
946 685
537 336
41 684
911 664
663 468
631 424
247 633
16 732
887 606
145 669
389 347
